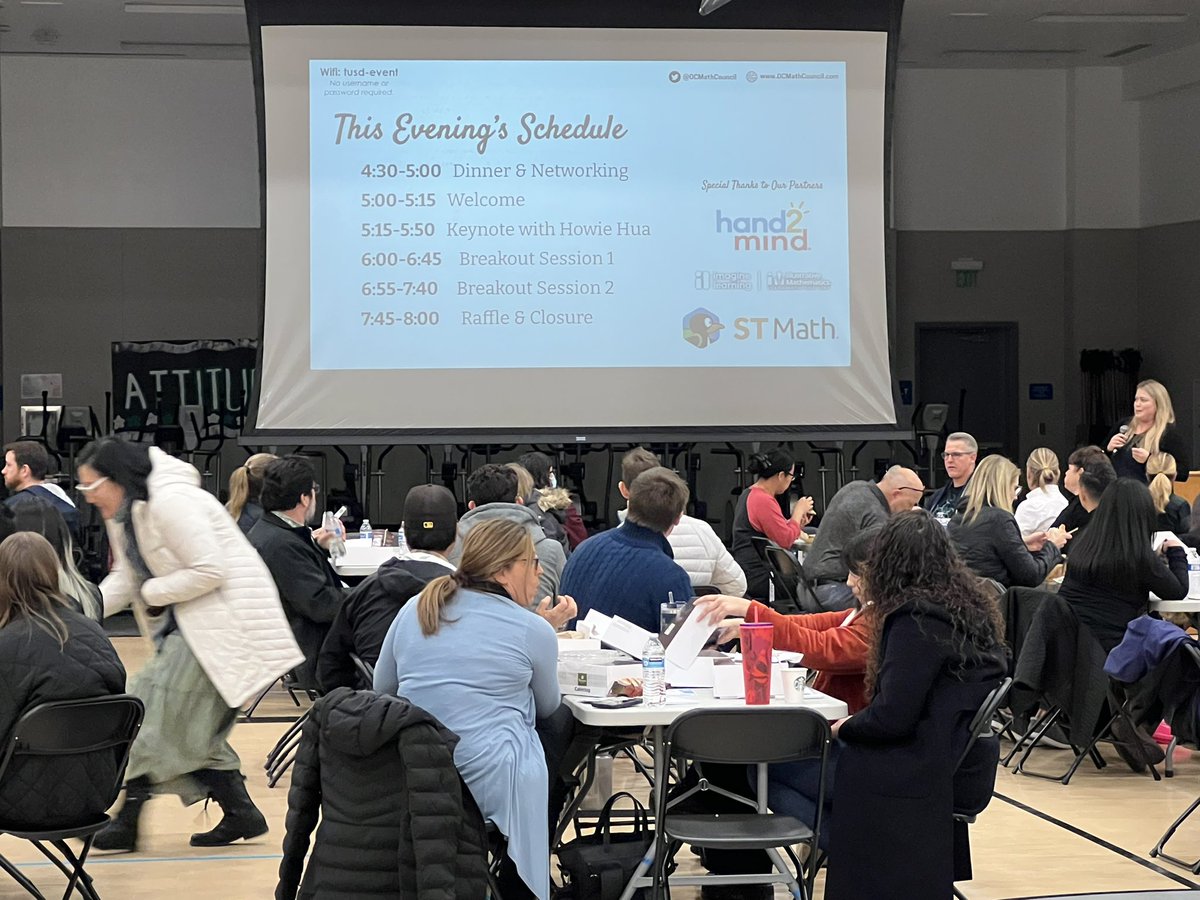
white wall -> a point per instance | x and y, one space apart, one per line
1170 150
980 150
128 143
1103 157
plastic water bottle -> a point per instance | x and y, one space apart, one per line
365 533
401 542
654 673
1193 560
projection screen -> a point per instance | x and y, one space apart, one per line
475 230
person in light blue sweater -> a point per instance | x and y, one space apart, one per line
630 571
472 653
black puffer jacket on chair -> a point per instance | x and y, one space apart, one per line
396 819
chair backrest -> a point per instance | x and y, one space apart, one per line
981 724
743 735
790 578
365 669
77 729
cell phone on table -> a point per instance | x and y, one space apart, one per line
614 702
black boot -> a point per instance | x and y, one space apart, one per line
242 818
122 832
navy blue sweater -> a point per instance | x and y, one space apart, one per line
626 572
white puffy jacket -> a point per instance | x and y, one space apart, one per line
700 552
224 598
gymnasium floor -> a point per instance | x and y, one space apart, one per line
1037 837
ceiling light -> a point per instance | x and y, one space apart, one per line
970 15
1113 18
708 6
41 2
195 9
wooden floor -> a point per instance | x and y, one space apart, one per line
1036 838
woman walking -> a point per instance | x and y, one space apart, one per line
201 593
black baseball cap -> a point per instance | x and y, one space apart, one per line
430 517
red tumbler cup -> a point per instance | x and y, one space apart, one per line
757 641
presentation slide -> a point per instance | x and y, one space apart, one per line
457 203
524 229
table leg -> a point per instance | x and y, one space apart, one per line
640 878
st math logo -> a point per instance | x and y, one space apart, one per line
701 327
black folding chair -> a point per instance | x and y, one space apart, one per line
1193 653
743 736
49 746
365 669
981 729
799 592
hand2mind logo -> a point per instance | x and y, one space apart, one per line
701 327
765 234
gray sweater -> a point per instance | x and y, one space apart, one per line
858 505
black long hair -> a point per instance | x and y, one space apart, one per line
1115 549
126 463
914 564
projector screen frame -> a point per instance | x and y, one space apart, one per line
881 16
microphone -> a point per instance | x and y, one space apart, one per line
1124 429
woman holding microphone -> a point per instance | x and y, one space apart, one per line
1151 430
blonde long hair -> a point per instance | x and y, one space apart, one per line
488 549
991 485
525 484
29 583
245 484
1164 414
1042 468
1161 470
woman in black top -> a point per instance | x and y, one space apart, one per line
937 650
1112 569
1151 430
987 537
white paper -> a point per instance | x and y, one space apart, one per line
1161 537
688 636
625 636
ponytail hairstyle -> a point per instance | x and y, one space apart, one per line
770 463
1160 469
29 584
1042 468
991 485
245 484
488 549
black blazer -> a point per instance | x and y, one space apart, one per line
1172 442
308 587
894 786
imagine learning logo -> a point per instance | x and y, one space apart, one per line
701 327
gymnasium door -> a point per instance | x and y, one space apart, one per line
973 368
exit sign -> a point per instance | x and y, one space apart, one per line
965 279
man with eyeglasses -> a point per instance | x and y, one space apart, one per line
959 458
310 590
859 505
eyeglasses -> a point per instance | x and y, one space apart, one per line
955 454
91 487
790 475
534 562
905 487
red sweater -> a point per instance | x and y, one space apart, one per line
838 653
767 518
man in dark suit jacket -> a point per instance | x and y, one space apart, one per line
309 588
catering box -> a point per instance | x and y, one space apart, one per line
593 673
